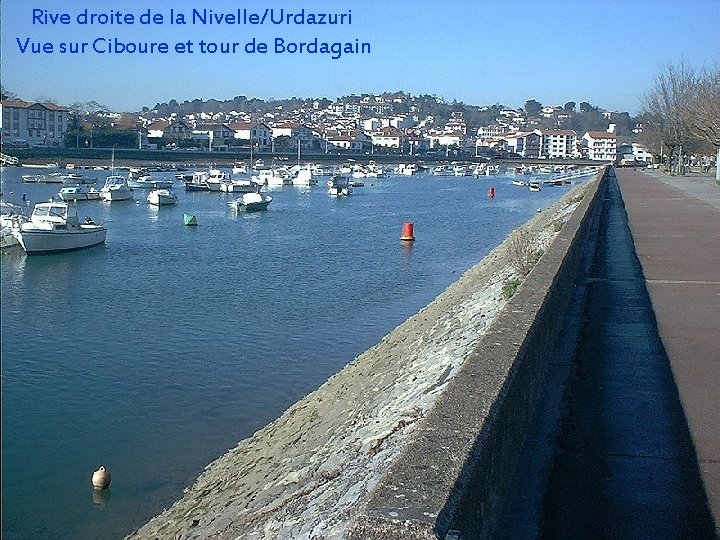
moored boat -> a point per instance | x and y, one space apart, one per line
82 192
339 186
162 197
148 182
54 226
251 202
77 178
116 189
240 185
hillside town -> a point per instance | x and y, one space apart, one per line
388 123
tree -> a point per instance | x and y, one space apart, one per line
585 107
704 111
667 105
532 107
569 106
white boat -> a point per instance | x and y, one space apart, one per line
240 185
148 182
273 177
534 186
116 189
214 178
198 182
304 177
240 168
82 192
339 186
34 178
519 183
251 202
407 169
54 226
162 197
77 178
11 216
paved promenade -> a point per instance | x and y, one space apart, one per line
675 224
637 454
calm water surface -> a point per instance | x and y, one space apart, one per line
159 351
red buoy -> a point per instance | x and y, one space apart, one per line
407 232
491 192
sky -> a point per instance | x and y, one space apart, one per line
605 52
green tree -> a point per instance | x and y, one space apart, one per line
532 107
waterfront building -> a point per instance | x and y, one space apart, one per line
33 123
217 135
527 144
295 131
169 130
558 143
491 130
389 137
258 132
600 145
440 139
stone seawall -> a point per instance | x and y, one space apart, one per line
455 472
388 447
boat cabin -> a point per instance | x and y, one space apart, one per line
58 213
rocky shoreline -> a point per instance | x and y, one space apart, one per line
306 474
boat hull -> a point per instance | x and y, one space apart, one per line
36 241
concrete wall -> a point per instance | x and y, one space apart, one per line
455 472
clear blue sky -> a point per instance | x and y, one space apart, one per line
606 52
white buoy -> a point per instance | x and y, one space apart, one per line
101 478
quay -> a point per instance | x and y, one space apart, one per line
587 407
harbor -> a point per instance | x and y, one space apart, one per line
213 330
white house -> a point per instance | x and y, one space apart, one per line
260 133
558 143
601 145
37 124
389 137
445 139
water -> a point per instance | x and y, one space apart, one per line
159 351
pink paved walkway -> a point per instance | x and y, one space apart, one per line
677 239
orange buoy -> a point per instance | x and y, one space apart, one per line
407 232
491 192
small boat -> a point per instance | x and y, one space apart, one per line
304 177
190 220
214 178
77 178
11 216
148 182
240 168
251 202
239 185
519 183
34 178
116 189
534 186
198 182
339 186
54 226
82 192
162 197
273 177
